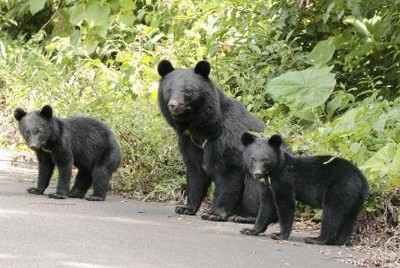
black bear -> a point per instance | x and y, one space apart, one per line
333 184
84 142
209 126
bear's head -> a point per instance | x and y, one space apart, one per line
35 127
183 93
261 156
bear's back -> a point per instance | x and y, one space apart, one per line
236 115
90 140
316 175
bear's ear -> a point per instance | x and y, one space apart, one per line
275 141
46 112
247 138
19 113
202 68
164 67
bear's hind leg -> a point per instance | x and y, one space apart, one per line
346 228
331 221
83 181
230 187
100 177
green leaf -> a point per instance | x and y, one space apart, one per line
90 44
340 101
302 90
97 14
358 25
126 17
127 5
36 5
76 14
322 53
384 162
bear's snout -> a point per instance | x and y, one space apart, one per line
34 143
175 108
34 147
258 175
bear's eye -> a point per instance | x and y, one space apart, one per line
187 91
252 160
27 133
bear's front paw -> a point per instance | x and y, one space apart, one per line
279 236
95 198
57 196
184 210
33 190
248 231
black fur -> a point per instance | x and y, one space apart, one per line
84 142
209 126
333 184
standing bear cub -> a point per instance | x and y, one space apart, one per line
333 184
84 142
209 126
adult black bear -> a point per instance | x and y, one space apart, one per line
333 184
84 142
209 126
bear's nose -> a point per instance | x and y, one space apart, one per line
33 147
172 104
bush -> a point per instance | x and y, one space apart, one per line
325 75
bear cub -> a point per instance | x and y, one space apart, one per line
84 142
333 184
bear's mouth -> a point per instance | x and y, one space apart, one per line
178 111
260 176
266 180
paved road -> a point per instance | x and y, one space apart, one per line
36 231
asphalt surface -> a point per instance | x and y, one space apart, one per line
36 231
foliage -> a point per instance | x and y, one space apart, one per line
325 75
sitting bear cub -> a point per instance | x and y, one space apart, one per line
333 184
84 142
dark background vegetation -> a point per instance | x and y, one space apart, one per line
324 74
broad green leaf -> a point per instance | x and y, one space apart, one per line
305 114
90 45
127 5
380 122
97 14
322 53
358 25
126 17
76 14
384 162
36 5
340 100
355 147
302 90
